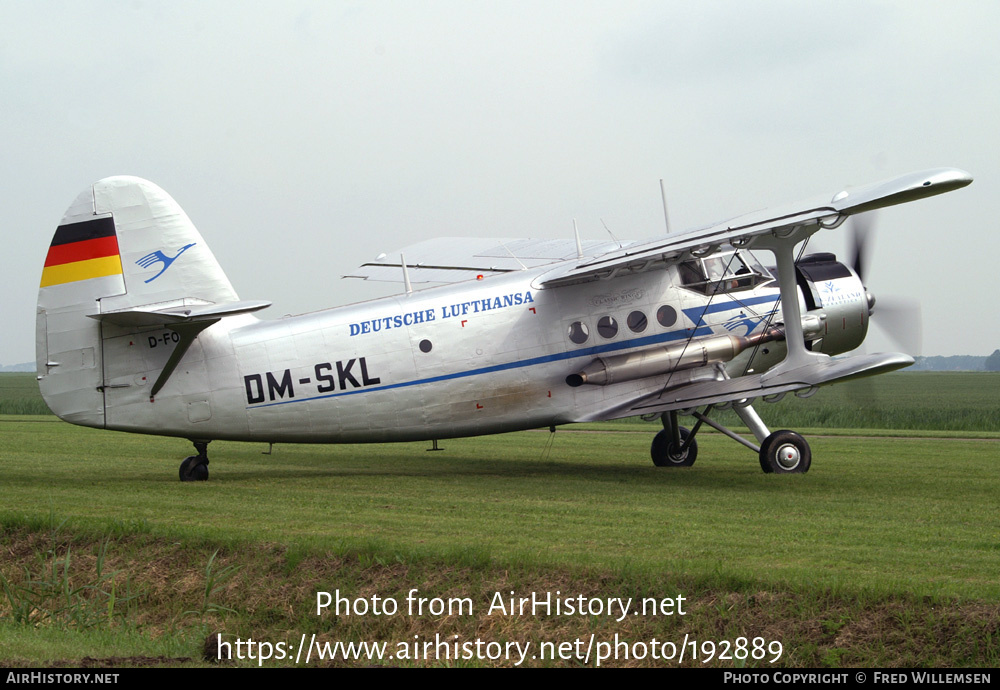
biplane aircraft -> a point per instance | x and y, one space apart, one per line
139 330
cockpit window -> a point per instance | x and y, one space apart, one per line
726 271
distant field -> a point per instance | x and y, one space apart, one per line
926 400
947 401
19 394
944 401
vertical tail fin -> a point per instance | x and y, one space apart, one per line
123 243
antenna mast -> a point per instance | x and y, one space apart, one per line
406 276
663 195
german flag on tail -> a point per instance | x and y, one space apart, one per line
80 251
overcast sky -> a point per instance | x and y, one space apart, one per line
304 138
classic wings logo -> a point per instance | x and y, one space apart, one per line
159 257
617 299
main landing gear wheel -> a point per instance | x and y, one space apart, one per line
666 454
195 467
785 452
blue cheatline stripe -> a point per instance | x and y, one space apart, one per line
696 314
586 352
559 356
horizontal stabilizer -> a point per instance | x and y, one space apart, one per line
141 317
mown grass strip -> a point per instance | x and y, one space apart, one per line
885 554
895 515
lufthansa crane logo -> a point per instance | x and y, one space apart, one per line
741 320
159 257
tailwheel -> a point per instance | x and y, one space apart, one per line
193 470
785 452
666 453
195 467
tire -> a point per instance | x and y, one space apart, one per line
192 470
785 452
664 454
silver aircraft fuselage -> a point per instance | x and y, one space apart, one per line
472 358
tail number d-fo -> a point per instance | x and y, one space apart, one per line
327 377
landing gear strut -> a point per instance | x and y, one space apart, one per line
781 452
195 467
674 446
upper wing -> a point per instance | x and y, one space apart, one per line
454 259
804 218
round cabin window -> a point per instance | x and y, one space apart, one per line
578 332
637 322
666 316
607 327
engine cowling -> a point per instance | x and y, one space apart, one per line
833 289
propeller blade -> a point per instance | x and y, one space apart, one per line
862 236
900 319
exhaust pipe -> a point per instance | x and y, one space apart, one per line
604 371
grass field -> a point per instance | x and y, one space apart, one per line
885 554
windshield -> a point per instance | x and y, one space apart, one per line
726 271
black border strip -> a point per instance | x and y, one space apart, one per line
87 230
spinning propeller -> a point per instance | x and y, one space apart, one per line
898 317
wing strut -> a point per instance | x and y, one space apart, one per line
782 245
